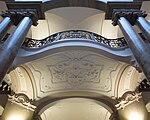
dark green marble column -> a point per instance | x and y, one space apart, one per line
10 48
138 46
4 26
144 26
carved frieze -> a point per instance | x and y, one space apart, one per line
22 80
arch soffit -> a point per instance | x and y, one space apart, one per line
46 102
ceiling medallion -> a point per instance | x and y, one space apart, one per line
76 71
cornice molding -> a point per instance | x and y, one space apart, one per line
41 7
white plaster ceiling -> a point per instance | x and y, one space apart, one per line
75 18
79 18
67 18
76 109
75 70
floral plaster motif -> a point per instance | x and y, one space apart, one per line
75 70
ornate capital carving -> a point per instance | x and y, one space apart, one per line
32 16
22 99
127 99
16 16
130 14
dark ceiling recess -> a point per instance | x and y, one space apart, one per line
144 86
5 88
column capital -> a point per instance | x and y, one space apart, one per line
130 14
32 16
17 15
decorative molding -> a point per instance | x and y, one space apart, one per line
42 7
24 5
23 100
16 15
22 80
111 6
76 70
7 79
130 14
127 99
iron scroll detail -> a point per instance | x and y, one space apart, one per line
75 34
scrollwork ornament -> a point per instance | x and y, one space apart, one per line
22 99
75 34
127 99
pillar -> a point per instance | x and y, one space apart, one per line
144 25
10 48
131 107
139 48
5 24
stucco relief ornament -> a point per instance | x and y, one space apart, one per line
127 99
22 99
7 79
75 71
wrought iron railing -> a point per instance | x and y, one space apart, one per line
74 34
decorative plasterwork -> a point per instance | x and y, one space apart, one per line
127 99
74 70
23 100
7 79
16 79
22 80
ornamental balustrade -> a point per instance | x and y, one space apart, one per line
73 34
